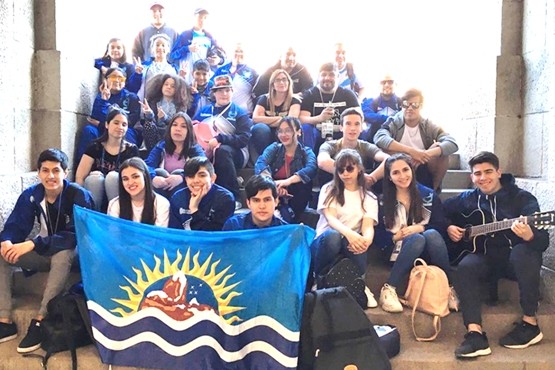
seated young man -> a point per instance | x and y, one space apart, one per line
202 205
53 249
262 200
515 253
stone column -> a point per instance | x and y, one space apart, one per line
509 96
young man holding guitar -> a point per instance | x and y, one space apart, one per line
513 250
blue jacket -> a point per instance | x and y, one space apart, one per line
244 222
384 238
371 106
213 211
156 157
28 209
180 48
509 202
133 83
273 158
125 99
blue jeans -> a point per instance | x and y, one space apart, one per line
429 245
227 160
262 135
326 247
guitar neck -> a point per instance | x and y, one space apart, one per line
494 226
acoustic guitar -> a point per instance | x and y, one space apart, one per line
475 238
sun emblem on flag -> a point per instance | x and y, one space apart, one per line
180 288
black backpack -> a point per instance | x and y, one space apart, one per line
336 332
67 325
343 272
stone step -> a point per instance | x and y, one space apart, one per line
450 193
456 179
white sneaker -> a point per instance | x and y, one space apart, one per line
389 300
453 301
370 296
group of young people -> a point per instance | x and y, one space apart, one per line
196 137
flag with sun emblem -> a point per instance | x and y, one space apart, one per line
176 299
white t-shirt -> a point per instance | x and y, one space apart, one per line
411 137
351 213
161 206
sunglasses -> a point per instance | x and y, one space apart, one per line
406 105
350 168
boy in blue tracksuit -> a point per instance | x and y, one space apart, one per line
262 200
53 249
202 205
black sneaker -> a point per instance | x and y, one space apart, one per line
523 335
7 331
33 339
475 344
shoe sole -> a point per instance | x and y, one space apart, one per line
480 352
28 349
534 340
5 339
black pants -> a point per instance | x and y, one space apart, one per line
226 162
521 263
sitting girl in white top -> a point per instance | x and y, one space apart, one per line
137 201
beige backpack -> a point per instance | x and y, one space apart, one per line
428 292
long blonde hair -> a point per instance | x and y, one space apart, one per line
272 92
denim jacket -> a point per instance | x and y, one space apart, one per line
273 158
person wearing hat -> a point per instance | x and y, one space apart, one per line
377 110
232 131
192 45
142 44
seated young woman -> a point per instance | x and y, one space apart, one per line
411 226
166 95
98 168
167 158
292 166
137 201
348 213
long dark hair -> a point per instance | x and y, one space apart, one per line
125 206
182 97
389 196
345 158
113 111
190 139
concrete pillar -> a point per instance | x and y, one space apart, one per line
509 96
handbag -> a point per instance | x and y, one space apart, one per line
428 292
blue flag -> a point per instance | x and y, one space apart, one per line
175 299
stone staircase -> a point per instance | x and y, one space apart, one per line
439 354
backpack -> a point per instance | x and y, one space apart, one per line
336 333
343 272
67 324
428 292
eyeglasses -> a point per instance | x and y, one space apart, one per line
117 78
287 131
406 105
350 168
278 80
390 82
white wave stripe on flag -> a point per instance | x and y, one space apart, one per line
199 316
177 351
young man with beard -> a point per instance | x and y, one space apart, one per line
410 133
321 107
515 253
262 200
50 203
